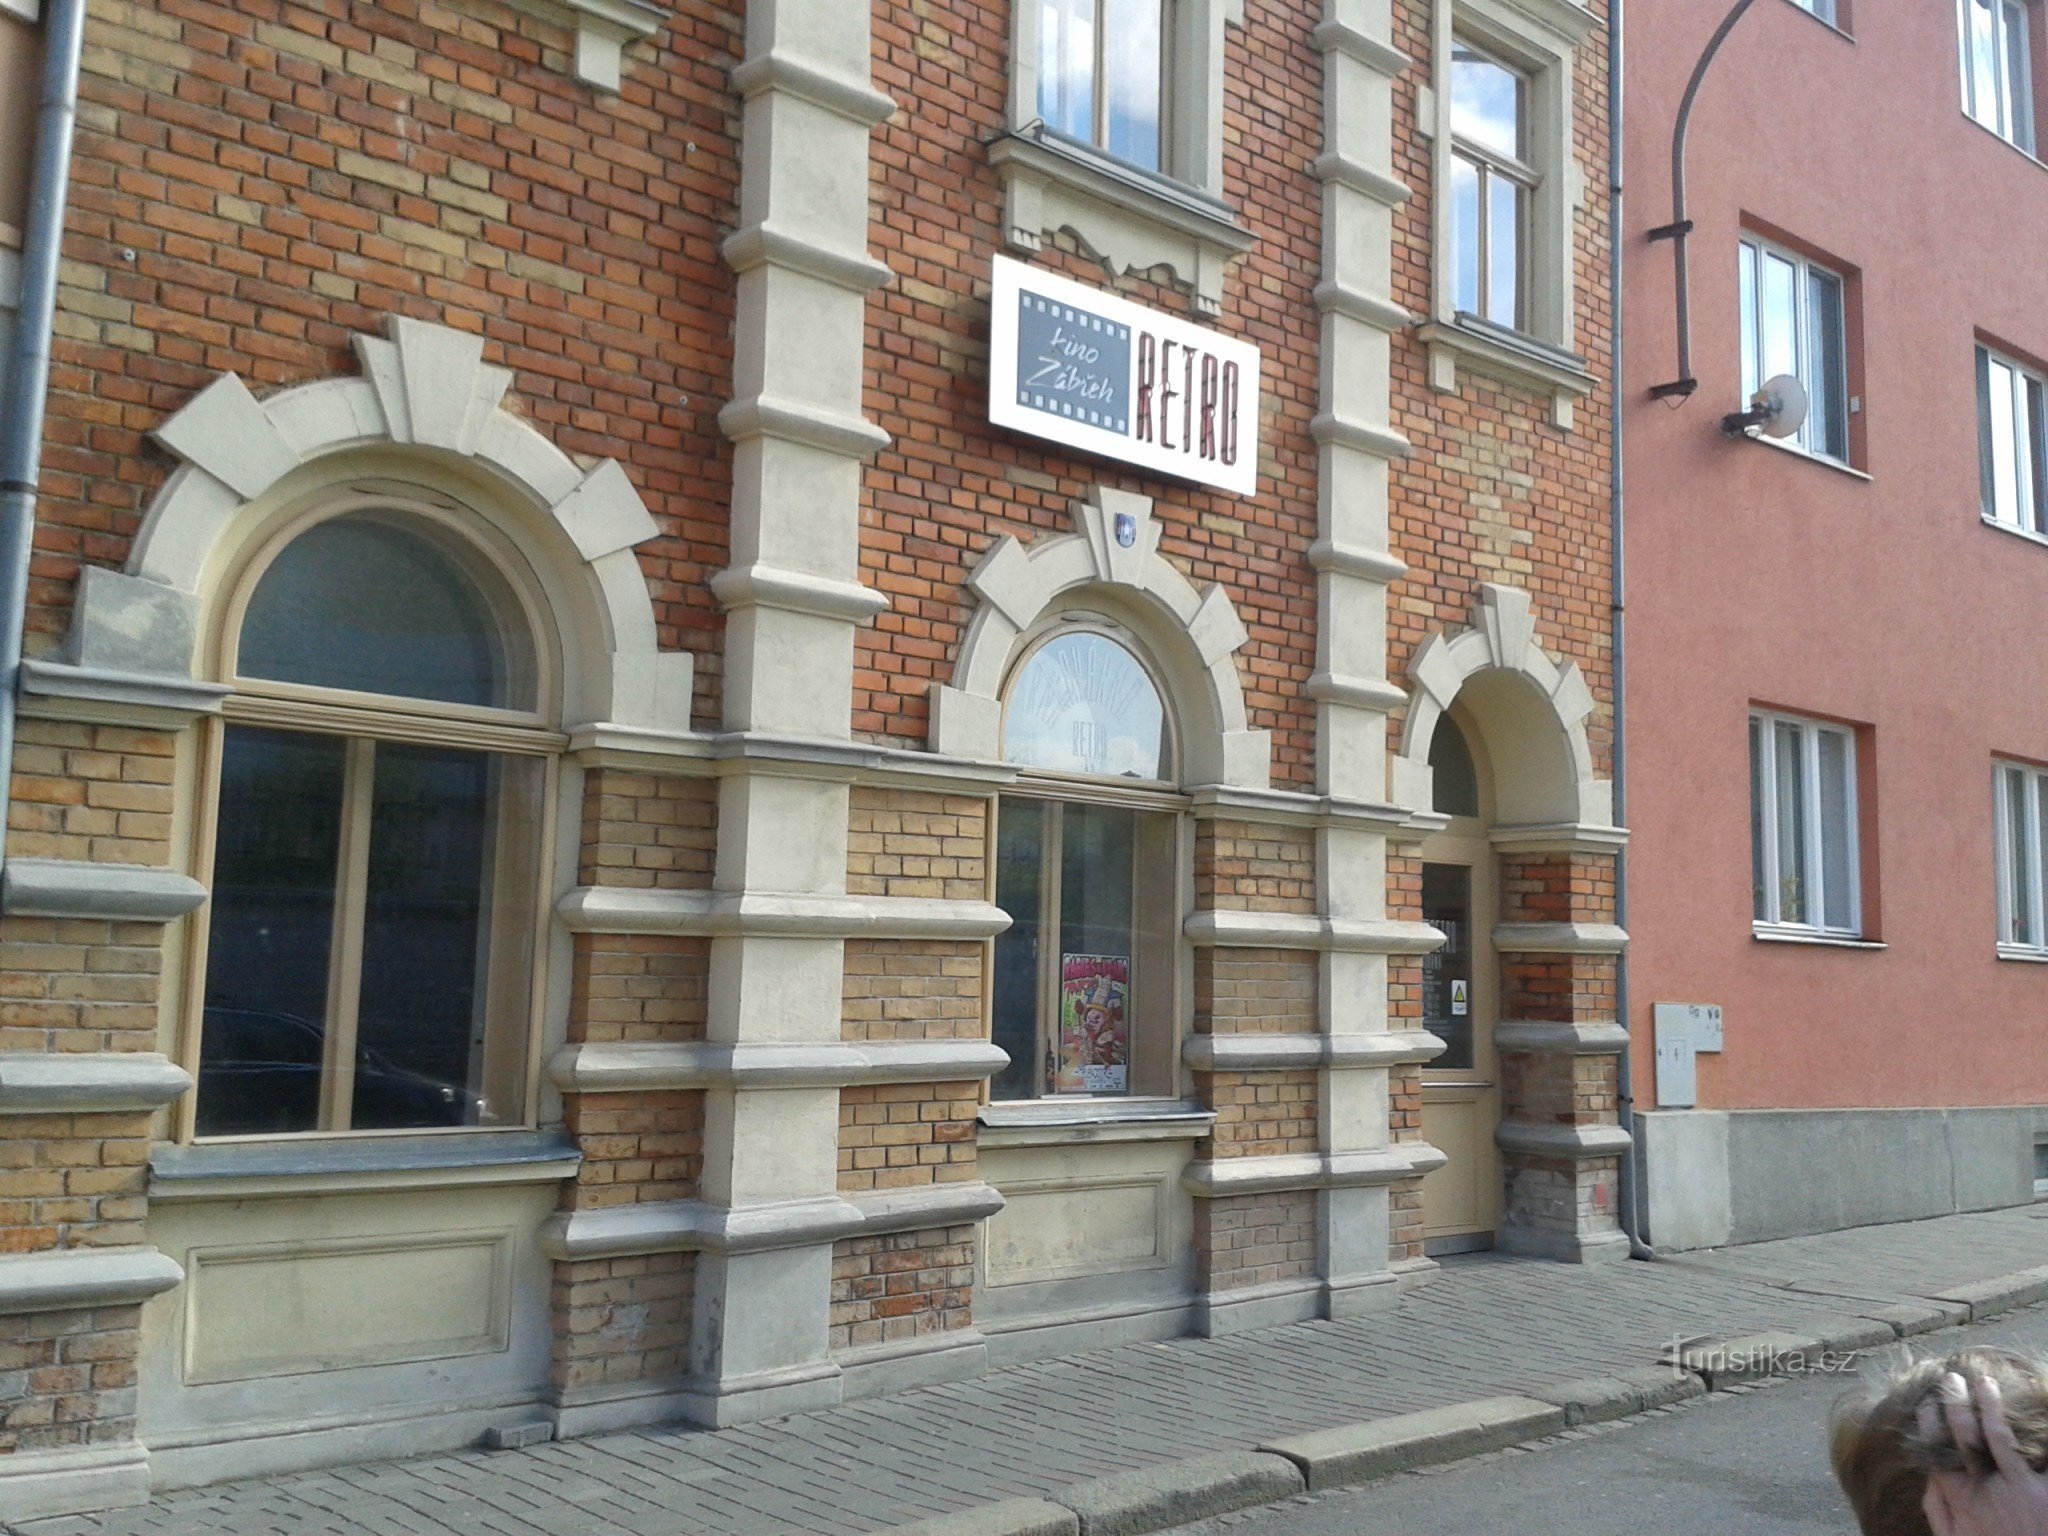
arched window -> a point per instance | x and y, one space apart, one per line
382 779
1087 868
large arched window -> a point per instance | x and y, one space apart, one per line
382 782
1087 868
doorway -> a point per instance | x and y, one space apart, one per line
1461 1201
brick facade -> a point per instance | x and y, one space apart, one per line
263 192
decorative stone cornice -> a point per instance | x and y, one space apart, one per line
1252 1053
55 690
1290 930
1229 1176
1342 171
1373 693
1277 807
629 1067
1559 938
122 893
722 914
1331 430
602 28
88 1083
1340 37
1559 837
1544 1038
1575 1143
672 1226
72 1279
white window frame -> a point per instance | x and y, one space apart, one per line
1540 40
2010 112
1823 9
2027 393
1173 217
1766 783
1805 366
1492 165
2016 792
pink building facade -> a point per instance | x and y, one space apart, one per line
1836 727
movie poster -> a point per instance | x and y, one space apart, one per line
1095 1025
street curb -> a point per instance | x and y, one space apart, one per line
1179 1492
1988 1298
1173 1493
1598 1399
1011 1517
1357 1453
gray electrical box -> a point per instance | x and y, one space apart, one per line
1683 1031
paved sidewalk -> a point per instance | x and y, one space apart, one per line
1487 1326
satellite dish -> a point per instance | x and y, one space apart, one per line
1776 410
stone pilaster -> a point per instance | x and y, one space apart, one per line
793 598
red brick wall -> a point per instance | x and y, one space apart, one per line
949 485
253 183
1493 491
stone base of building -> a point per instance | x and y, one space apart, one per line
1715 1177
283 1448
37 1484
929 1360
1568 1247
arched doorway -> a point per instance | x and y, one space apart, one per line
1461 1090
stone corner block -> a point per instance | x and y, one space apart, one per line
1010 1517
1358 1453
1597 1399
1180 1492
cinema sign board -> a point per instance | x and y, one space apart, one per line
1081 367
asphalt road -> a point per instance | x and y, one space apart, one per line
1745 1461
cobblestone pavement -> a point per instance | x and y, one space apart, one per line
1486 1325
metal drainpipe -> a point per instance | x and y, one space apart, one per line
1630 1214
28 374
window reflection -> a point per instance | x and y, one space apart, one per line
1101 66
1083 704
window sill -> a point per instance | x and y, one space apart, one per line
1508 355
1134 220
1053 1122
1820 461
2017 532
2021 150
2023 954
359 1164
1822 21
1768 935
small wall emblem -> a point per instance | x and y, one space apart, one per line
1126 529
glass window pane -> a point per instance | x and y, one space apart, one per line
1982 43
1794 880
2019 863
1759 827
1092 1048
1827 423
1504 252
1837 834
1020 864
2036 834
1447 972
363 604
1779 317
1066 67
1133 67
1486 101
2033 468
1751 380
270 929
447 830
2005 493
1464 235
1454 776
1083 704
2019 103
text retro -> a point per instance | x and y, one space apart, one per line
1098 373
